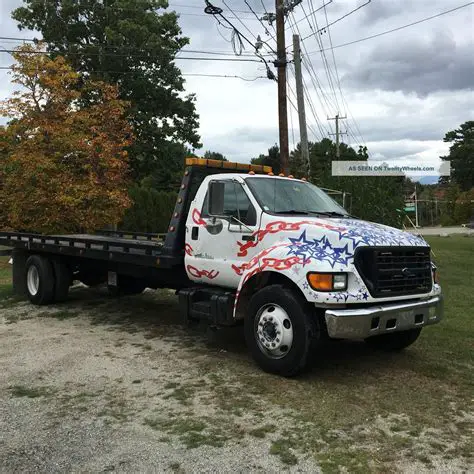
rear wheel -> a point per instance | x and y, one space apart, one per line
39 280
395 341
63 280
280 331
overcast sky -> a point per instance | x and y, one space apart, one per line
403 90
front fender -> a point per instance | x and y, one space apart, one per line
280 259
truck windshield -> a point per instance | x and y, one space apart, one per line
285 196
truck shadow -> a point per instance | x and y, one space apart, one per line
155 314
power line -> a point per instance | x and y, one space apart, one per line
337 20
312 74
327 69
225 76
324 5
160 10
182 5
10 51
344 102
311 106
397 29
296 108
422 20
203 14
257 17
246 27
291 123
132 49
217 12
248 79
333 55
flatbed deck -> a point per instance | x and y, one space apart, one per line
137 251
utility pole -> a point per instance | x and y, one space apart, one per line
416 209
280 63
338 133
300 100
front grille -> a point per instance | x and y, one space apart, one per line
395 271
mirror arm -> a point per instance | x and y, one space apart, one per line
241 223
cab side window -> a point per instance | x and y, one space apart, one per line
236 204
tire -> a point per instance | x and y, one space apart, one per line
39 280
63 277
395 341
291 314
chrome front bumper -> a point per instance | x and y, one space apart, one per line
359 323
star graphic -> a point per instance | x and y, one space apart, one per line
337 296
365 295
319 249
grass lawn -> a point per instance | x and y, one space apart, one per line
357 410
368 411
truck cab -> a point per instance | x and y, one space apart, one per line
300 268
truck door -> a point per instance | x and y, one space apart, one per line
213 244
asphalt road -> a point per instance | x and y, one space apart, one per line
441 230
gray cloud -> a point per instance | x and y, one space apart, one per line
239 118
377 10
422 67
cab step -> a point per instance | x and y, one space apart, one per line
207 304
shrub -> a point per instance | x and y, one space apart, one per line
151 210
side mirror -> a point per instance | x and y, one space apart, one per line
216 198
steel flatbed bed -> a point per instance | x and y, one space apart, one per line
140 252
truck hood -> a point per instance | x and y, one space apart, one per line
340 231
334 241
325 236
361 232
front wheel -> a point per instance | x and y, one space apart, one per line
280 330
395 341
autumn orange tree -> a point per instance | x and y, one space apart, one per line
63 159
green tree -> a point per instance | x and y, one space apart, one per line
452 195
271 159
463 210
150 211
461 155
168 178
131 43
214 155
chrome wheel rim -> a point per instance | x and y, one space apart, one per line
32 280
273 331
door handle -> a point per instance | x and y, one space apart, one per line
248 238
194 233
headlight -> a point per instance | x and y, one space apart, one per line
434 270
327 281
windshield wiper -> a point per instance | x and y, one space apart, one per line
315 213
333 214
293 211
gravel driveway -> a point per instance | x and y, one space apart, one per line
105 385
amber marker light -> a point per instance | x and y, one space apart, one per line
327 281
